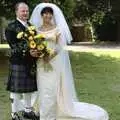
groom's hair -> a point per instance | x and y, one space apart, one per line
17 5
47 10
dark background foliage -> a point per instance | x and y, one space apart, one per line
104 15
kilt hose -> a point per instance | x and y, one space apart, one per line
20 80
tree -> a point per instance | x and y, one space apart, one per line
7 5
91 12
115 12
66 5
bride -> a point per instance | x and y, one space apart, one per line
56 91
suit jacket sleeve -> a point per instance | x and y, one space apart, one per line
17 46
11 34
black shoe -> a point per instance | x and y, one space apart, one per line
30 115
16 117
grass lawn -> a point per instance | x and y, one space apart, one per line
97 80
4 95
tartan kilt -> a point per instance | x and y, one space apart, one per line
20 80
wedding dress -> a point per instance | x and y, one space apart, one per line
54 97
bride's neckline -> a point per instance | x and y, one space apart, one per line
49 30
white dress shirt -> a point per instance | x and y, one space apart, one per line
22 22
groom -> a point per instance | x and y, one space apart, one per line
21 82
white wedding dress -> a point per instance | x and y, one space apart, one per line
54 97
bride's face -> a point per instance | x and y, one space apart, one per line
47 17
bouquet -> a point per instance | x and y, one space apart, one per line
37 42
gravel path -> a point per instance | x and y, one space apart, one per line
90 46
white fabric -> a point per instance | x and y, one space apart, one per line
16 102
66 37
56 88
58 19
21 101
54 94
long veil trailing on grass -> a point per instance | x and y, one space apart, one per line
66 96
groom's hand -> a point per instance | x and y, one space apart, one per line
33 53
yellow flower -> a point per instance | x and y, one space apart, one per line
45 43
40 36
50 51
25 35
30 38
31 32
31 28
40 47
20 35
32 44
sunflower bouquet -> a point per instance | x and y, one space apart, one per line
36 42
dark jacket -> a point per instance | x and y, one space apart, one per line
17 46
22 73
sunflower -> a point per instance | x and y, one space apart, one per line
32 32
40 47
30 38
31 28
40 36
32 44
50 51
20 35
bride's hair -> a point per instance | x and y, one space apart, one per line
47 10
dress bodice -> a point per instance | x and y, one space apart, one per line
51 37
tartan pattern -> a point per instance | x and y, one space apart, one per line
20 80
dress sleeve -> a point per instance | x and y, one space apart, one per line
57 32
58 44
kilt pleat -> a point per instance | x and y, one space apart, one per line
20 80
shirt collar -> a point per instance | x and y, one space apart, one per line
22 22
